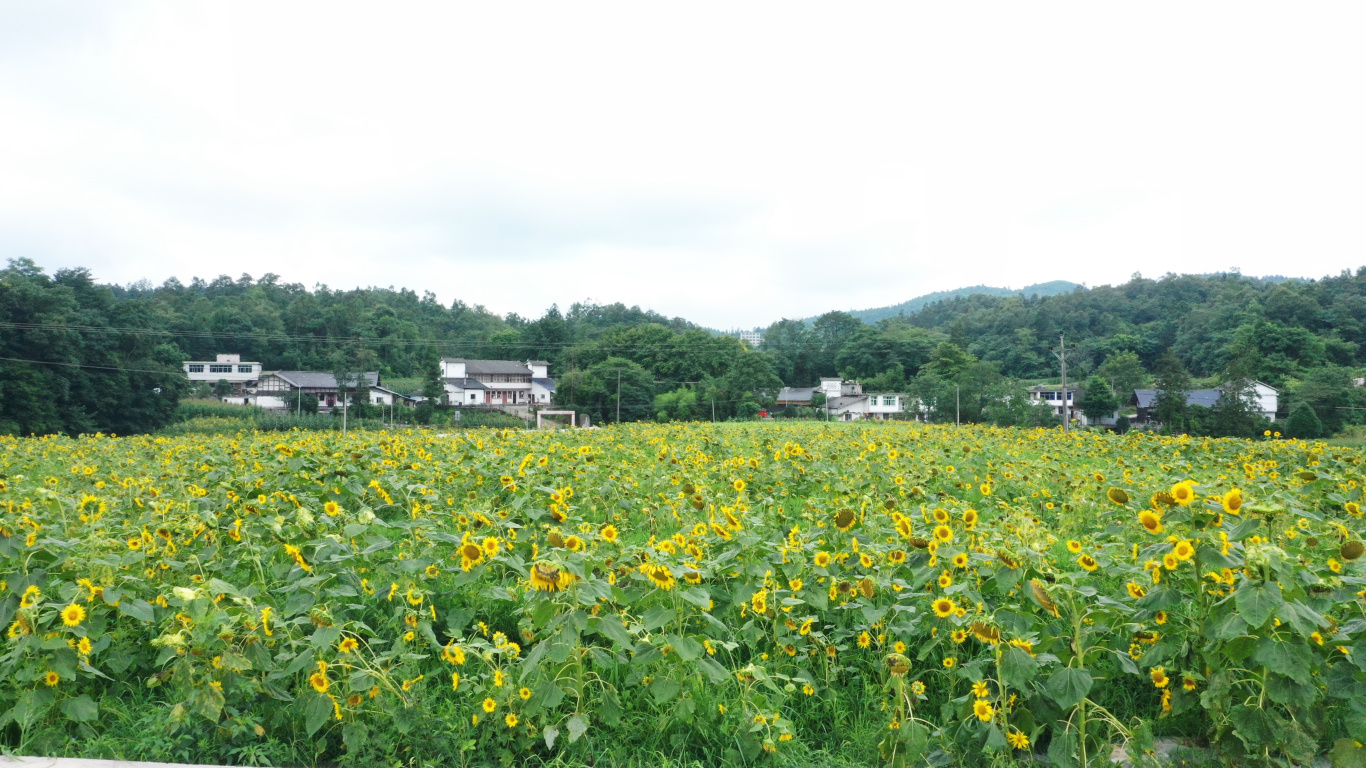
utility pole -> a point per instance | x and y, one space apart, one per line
713 409
957 406
1062 357
343 394
618 395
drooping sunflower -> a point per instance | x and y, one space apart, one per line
986 633
1135 590
1118 496
1352 550
1040 593
1352 508
845 519
347 645
659 575
1151 520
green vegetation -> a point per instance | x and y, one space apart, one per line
741 594
969 357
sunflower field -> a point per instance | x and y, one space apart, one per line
741 594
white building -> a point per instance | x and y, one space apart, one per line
284 390
228 368
846 400
1054 396
753 338
499 383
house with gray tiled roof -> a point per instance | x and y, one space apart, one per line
505 384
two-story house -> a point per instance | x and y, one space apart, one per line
230 368
503 384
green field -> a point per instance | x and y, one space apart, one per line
680 594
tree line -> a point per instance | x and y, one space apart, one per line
80 356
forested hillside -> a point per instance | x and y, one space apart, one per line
1306 338
1051 288
80 356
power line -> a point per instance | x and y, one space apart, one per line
95 367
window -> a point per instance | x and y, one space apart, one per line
196 369
888 400
220 369
244 368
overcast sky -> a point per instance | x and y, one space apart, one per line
732 163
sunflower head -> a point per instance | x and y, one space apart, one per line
1151 520
942 607
1352 550
73 614
1183 492
844 519
897 664
1118 496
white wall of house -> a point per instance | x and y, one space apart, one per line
540 394
1267 399
226 367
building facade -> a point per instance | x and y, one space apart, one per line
284 390
229 368
507 385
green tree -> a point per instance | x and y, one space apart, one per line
433 388
1173 386
1098 400
614 386
677 405
222 388
948 361
1124 371
1303 422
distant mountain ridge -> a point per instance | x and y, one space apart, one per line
872 316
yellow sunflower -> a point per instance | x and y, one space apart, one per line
73 614
983 710
1159 676
942 607
1183 492
1232 502
1152 521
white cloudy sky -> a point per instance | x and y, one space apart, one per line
728 162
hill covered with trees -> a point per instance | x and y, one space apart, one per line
1306 338
79 356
